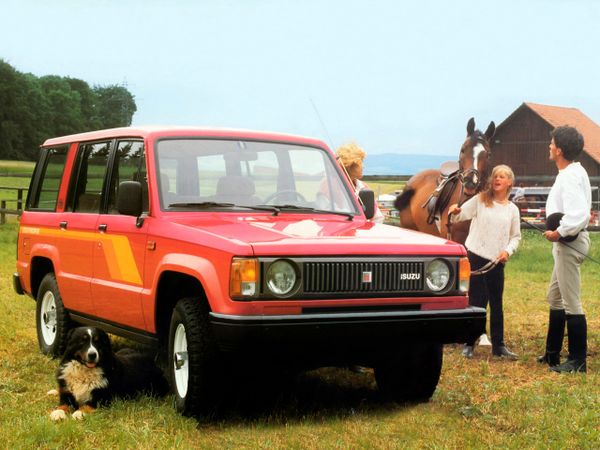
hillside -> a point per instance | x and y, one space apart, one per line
402 164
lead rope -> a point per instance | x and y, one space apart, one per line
562 242
460 202
489 266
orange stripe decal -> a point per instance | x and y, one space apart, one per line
117 250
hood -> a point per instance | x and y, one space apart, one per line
297 234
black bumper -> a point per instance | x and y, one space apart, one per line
17 284
330 332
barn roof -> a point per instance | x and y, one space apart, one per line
558 115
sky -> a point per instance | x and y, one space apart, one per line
394 76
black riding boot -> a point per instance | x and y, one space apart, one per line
577 331
554 339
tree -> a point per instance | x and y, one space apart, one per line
115 106
13 111
32 109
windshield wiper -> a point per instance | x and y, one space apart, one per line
350 216
275 209
201 205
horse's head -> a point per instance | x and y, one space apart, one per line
475 157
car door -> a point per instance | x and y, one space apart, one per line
120 244
75 241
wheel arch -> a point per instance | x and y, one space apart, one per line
173 286
40 267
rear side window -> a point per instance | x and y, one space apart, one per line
45 192
89 181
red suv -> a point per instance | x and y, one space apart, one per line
224 245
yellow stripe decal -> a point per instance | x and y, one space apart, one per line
117 250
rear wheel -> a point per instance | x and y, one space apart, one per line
192 357
412 374
51 319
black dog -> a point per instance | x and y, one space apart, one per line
90 374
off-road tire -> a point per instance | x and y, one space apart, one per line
51 319
190 316
412 374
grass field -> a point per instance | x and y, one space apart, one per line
479 403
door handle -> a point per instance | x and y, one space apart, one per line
63 225
102 227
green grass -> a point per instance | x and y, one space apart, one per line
385 187
479 403
19 167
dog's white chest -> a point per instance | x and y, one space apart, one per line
82 380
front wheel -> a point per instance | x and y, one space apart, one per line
51 320
412 374
192 357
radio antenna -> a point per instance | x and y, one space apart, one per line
322 123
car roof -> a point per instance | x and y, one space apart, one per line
153 132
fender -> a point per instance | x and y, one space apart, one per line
195 266
39 250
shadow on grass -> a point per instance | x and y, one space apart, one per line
253 391
313 396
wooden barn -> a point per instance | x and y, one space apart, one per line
521 141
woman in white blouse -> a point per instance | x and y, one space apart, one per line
494 236
352 156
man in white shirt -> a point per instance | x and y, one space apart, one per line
570 195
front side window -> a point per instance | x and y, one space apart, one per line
90 175
196 172
49 181
129 165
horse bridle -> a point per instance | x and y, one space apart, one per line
462 175
474 171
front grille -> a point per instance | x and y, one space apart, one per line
352 276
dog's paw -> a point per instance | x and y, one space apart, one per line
52 392
58 414
78 415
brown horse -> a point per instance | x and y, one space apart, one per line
421 193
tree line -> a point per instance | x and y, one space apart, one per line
33 109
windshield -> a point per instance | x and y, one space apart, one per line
201 174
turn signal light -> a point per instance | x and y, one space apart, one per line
243 280
464 274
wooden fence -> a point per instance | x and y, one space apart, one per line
19 201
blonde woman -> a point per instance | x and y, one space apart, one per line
494 235
351 156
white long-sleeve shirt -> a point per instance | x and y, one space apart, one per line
571 194
493 229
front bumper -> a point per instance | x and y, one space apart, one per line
332 332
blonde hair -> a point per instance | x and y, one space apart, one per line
487 196
350 153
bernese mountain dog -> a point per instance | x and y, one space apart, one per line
91 374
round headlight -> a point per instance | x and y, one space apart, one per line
437 275
281 277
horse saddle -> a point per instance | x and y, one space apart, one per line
553 222
440 197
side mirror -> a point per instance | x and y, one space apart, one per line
129 200
367 198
